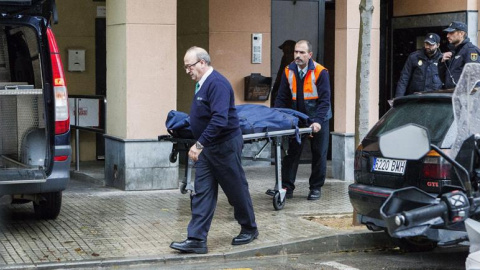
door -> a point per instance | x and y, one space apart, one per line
295 20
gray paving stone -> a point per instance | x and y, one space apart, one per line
103 223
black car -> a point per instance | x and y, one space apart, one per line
35 147
376 177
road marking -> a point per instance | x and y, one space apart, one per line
338 266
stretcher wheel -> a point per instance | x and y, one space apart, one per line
173 157
278 203
183 188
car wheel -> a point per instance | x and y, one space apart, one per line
49 206
416 244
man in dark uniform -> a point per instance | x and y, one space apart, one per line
305 87
420 72
217 153
462 51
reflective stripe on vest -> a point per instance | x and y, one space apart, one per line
309 85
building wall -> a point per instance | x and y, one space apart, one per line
347 27
347 34
230 37
414 7
192 30
141 90
229 34
76 30
141 69
224 29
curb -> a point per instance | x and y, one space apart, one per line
334 243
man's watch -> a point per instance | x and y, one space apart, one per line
198 145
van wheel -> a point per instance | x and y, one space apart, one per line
415 244
49 206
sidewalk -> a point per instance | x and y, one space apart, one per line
101 226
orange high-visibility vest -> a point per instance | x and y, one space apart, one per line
309 86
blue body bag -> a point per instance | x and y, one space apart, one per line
252 118
260 118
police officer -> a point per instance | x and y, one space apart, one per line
420 72
462 51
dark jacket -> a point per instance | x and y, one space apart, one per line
318 109
464 53
213 117
420 73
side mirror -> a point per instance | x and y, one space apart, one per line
406 142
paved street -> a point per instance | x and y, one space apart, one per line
100 223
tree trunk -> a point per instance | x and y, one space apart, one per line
363 71
363 77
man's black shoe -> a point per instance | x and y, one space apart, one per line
244 238
289 195
314 194
270 192
191 246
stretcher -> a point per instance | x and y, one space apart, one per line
274 137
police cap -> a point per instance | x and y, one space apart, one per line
432 38
456 26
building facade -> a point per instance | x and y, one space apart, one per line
144 44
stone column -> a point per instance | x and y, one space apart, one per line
141 89
347 25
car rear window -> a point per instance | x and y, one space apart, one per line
435 115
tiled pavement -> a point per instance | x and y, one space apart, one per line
101 223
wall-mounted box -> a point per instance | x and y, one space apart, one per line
76 60
256 48
101 12
257 87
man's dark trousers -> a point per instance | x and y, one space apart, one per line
319 148
220 164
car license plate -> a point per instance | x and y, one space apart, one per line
389 165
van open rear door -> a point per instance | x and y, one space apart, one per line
44 8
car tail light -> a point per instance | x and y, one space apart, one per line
60 158
62 118
357 163
435 167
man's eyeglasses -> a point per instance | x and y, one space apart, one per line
191 65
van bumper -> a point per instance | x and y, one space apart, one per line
56 181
